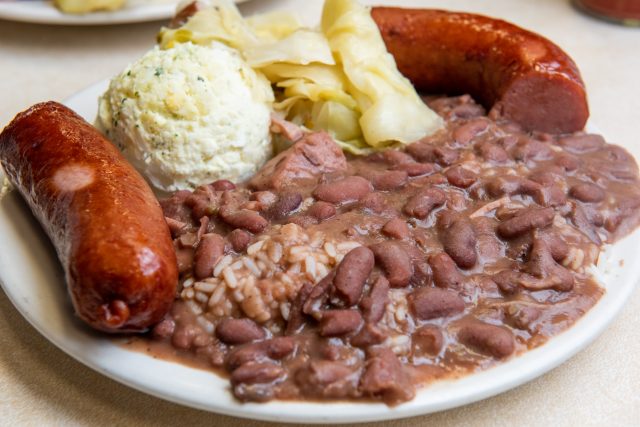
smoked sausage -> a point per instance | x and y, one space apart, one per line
103 219
516 74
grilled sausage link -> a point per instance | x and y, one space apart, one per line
103 219
514 73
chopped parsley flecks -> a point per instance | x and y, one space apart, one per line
200 79
162 145
116 119
159 72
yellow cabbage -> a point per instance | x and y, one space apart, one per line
391 108
273 26
300 47
340 78
339 119
332 108
222 22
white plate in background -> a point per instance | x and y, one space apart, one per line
33 280
44 12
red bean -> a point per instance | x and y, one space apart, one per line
445 273
460 177
487 339
467 132
184 335
522 316
507 281
321 210
349 189
542 265
203 202
531 149
492 152
467 111
490 247
209 251
184 257
176 227
526 220
579 219
416 169
374 305
395 262
509 141
552 195
244 218
510 281
587 192
164 329
339 322
421 271
175 207
458 239
396 228
384 376
433 303
557 246
239 240
276 348
547 176
389 180
256 373
369 335
317 296
395 157
428 152
352 273
284 206
326 378
508 185
238 331
584 143
374 202
427 341
421 205
567 161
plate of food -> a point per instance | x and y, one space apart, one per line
88 12
295 224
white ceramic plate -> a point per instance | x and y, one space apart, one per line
43 12
33 280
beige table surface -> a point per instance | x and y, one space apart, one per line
40 385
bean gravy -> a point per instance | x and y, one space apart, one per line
366 277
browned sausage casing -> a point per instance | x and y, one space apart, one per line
102 217
515 73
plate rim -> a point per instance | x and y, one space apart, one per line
527 366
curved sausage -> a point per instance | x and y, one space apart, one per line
103 219
515 73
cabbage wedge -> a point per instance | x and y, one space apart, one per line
391 109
